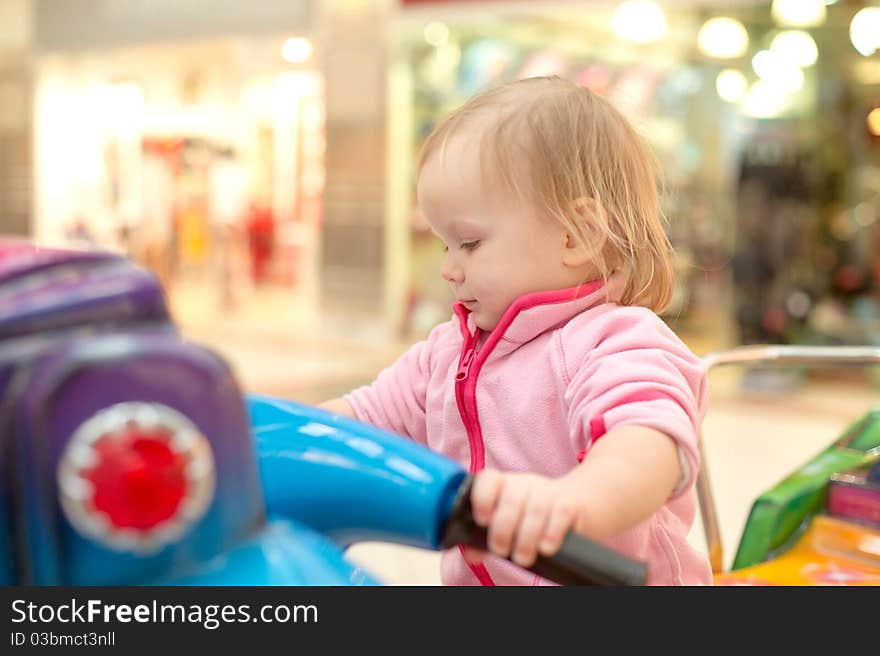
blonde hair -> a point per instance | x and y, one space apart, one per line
582 154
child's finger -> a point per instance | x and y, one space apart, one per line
561 520
531 529
507 516
484 495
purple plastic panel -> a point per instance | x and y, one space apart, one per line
48 290
76 381
20 258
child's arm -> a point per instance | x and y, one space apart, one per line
339 406
626 477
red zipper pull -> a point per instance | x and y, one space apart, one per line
465 366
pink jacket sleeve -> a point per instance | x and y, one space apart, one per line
395 401
639 373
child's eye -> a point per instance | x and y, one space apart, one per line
470 245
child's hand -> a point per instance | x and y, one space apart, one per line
526 514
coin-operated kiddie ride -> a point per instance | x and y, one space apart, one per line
130 456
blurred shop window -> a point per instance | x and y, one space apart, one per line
154 232
192 223
775 227
227 209
260 226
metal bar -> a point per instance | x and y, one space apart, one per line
709 515
810 356
815 356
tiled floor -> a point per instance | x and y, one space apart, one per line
751 439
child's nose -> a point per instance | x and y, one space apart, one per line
450 271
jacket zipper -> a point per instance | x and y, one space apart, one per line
465 366
466 380
466 399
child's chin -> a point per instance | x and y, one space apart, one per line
484 324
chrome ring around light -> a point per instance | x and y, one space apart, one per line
74 491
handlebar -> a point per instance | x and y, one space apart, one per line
417 497
579 561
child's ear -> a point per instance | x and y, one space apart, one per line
580 251
575 253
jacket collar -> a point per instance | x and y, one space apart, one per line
533 314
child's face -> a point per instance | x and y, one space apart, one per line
498 250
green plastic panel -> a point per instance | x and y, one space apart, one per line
778 513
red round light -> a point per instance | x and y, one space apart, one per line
136 476
139 481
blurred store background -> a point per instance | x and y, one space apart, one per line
259 157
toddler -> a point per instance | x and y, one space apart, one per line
555 382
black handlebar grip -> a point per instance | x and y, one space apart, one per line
579 561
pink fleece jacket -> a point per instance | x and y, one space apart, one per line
559 371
